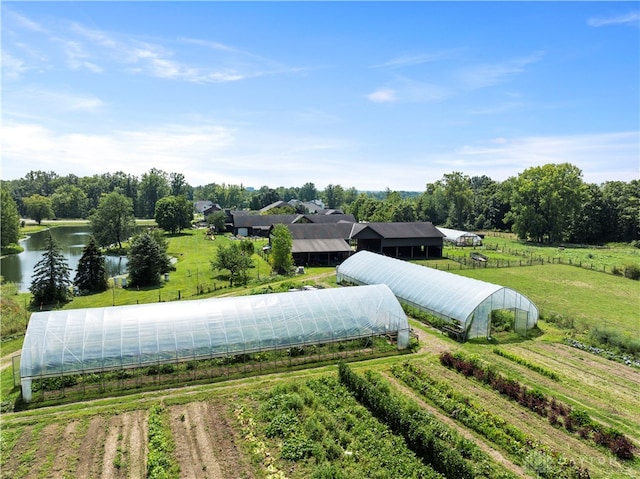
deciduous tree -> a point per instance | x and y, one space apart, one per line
174 213
544 201
113 221
10 219
232 258
281 244
38 208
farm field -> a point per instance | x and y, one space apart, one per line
309 424
238 428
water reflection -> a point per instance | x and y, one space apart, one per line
71 241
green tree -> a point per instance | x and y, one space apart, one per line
218 220
91 275
333 196
69 201
458 194
113 221
232 258
281 244
174 213
38 208
51 281
545 200
153 186
9 219
308 192
146 261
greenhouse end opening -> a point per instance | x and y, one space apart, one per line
203 339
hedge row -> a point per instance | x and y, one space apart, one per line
520 447
427 437
558 414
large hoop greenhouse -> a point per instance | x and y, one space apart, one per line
464 303
95 340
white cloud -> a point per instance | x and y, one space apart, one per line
382 95
187 149
632 18
601 157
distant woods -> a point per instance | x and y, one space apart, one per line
549 203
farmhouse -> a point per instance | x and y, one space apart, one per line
95 340
464 304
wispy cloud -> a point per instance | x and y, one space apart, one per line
631 18
12 67
410 60
489 74
85 48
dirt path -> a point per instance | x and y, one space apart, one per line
6 361
494 454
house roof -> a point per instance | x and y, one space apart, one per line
202 205
398 230
307 231
265 221
325 245
276 204
332 218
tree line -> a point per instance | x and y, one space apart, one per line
549 203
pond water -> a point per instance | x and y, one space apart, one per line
71 241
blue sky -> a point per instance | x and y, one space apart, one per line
372 95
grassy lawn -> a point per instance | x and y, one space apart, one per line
593 299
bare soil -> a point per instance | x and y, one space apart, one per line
207 444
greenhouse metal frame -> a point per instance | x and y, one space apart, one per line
463 303
95 340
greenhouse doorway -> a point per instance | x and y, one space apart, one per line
509 320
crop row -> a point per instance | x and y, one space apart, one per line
446 450
527 364
558 414
524 449
316 429
160 461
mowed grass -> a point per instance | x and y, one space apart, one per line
591 298
192 252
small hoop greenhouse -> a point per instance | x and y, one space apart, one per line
460 238
95 340
463 303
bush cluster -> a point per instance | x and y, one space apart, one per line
558 414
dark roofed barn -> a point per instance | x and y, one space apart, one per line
399 240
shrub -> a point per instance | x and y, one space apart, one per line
632 271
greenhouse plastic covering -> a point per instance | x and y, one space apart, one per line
463 302
97 339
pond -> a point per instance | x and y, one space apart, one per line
71 241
